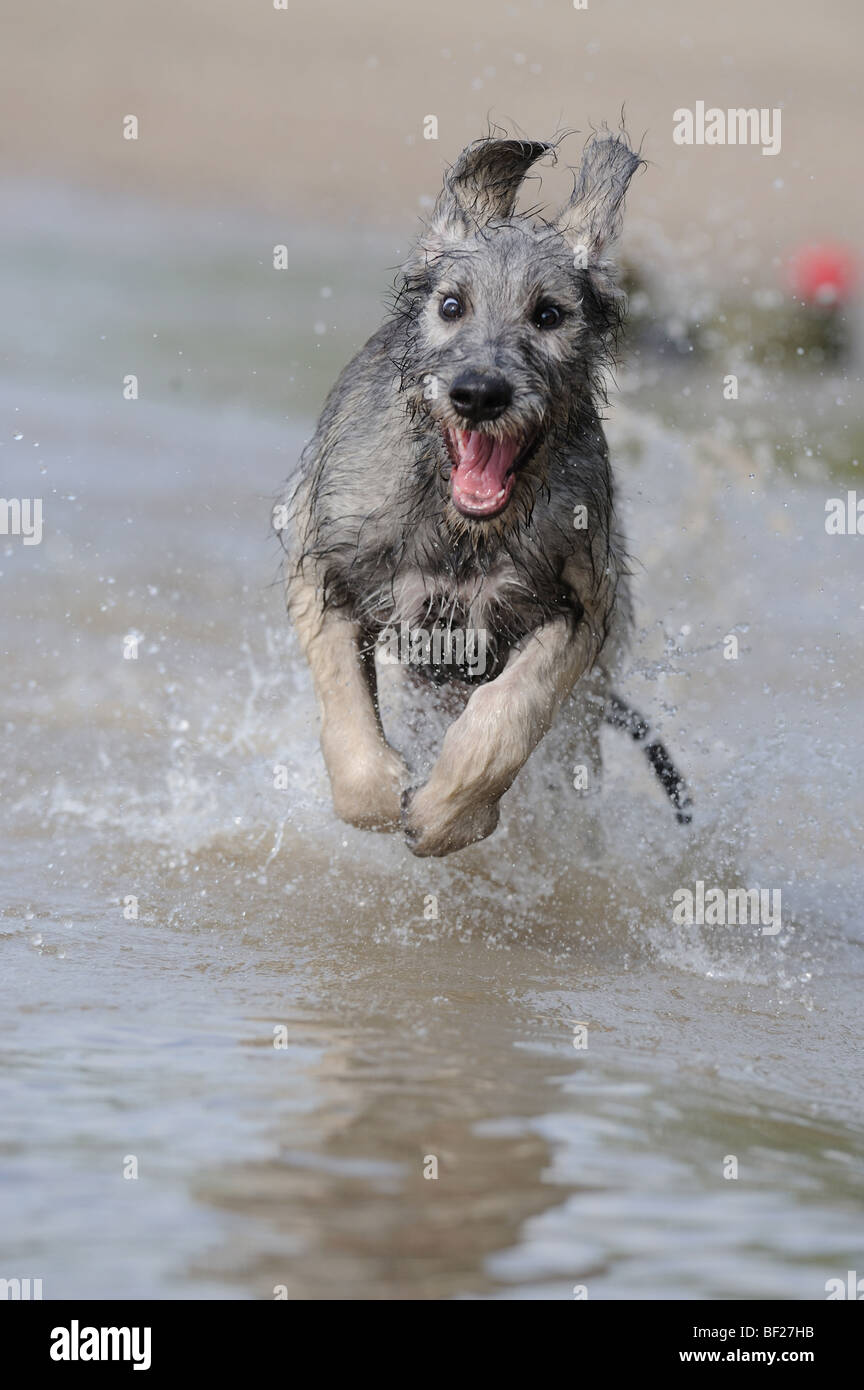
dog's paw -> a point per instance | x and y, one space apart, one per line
433 831
367 793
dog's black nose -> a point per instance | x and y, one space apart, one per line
479 396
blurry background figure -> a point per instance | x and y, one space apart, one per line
823 278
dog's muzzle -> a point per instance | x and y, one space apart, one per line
479 396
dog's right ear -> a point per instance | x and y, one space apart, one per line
483 185
591 221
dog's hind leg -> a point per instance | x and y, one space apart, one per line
366 774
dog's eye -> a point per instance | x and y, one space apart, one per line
547 316
450 308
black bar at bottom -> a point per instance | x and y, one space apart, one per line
73 1338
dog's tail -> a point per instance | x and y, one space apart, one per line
622 716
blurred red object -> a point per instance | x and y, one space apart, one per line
823 274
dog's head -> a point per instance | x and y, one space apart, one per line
510 318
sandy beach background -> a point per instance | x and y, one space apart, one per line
315 112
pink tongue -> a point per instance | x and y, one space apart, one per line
481 473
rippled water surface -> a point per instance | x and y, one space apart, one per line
262 920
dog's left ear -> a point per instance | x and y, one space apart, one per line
591 221
483 184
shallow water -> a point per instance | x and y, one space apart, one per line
405 1036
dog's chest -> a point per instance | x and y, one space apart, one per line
458 628
474 599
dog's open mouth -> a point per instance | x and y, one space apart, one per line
484 471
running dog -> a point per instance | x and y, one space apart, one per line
459 479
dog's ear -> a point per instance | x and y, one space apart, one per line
591 221
483 184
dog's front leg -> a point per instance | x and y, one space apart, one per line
487 745
366 774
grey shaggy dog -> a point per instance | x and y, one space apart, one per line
459 482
